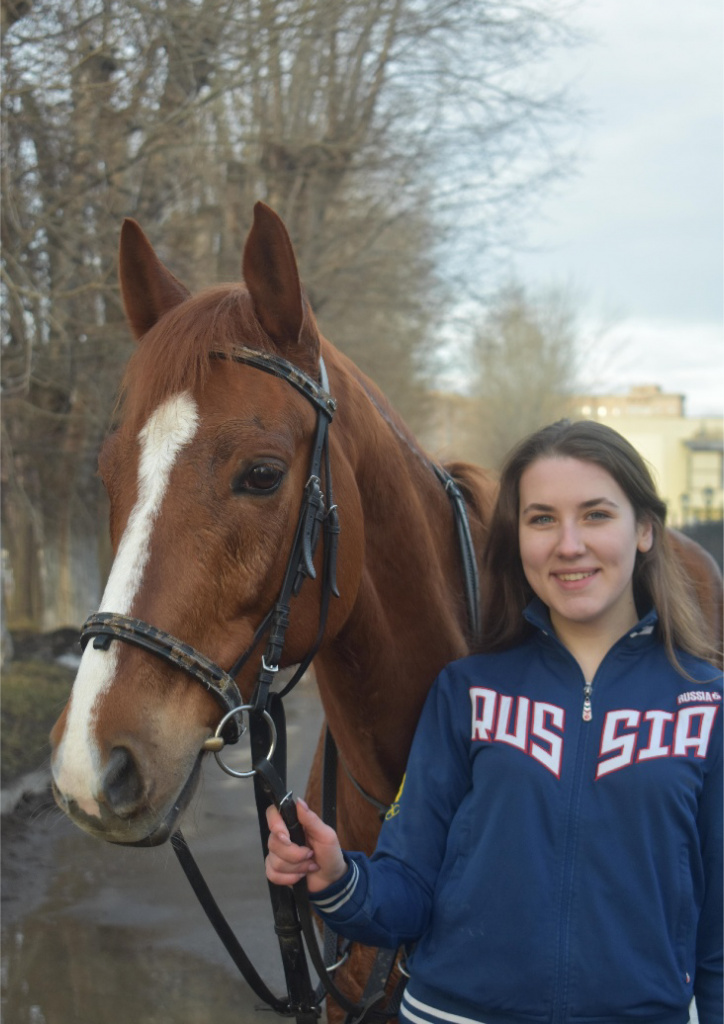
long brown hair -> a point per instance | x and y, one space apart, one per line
658 579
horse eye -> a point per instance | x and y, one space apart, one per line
263 478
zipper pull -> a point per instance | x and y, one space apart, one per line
587 712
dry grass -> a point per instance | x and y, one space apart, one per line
32 696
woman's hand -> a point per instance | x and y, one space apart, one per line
321 862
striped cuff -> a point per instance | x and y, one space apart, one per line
330 904
413 1011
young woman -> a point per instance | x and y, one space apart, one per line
555 851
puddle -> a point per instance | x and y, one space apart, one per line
100 934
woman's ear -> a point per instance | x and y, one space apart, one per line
645 536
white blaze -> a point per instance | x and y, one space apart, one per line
77 761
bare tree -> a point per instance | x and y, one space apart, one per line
526 359
366 123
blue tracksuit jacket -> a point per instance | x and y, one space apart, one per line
553 869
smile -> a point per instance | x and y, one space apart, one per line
574 577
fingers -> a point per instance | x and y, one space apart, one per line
290 864
314 828
275 822
287 862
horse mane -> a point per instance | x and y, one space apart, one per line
174 355
379 401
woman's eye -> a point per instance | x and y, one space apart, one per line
263 478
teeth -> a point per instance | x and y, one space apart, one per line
571 577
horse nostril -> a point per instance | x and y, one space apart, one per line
122 784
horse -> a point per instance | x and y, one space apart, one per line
205 473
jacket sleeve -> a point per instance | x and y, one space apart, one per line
708 981
386 900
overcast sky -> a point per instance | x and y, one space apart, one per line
638 232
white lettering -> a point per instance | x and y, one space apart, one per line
492 716
519 738
702 696
628 736
611 741
550 756
656 746
484 702
685 738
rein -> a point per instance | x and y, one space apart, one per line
266 721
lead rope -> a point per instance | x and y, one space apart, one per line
269 786
291 907
222 927
273 789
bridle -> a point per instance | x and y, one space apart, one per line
265 716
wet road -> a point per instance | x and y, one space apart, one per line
100 934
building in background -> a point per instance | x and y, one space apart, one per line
685 453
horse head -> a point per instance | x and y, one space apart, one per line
205 473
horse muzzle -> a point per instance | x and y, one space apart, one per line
124 814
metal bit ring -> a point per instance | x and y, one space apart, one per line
245 708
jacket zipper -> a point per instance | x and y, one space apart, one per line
587 693
572 826
573 818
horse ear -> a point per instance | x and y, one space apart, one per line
270 273
148 288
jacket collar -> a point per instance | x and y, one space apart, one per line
537 615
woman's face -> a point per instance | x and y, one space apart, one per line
578 538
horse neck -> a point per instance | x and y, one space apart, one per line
409 618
